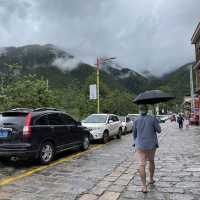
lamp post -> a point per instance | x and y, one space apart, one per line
100 61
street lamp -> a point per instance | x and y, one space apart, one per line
100 61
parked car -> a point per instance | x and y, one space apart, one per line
133 116
173 118
162 118
194 120
127 124
103 126
40 133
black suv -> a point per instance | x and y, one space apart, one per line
40 133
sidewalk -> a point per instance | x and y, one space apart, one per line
177 172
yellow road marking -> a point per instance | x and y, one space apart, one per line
12 179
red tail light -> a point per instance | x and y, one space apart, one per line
27 129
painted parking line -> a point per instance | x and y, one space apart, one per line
10 180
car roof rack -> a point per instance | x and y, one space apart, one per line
44 108
21 109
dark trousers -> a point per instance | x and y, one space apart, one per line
180 125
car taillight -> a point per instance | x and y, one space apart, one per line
27 129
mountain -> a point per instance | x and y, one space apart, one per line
147 74
177 82
61 69
31 56
129 79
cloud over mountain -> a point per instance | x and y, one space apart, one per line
66 64
148 35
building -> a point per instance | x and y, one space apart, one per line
196 41
187 105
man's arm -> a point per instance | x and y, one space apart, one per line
157 126
134 130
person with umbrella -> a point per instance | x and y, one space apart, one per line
145 141
145 131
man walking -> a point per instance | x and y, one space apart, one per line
180 121
145 131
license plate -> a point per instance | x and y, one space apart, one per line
3 133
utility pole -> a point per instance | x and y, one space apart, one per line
98 100
99 62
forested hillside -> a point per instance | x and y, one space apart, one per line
69 80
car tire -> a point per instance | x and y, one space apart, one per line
125 131
105 138
119 135
86 143
46 153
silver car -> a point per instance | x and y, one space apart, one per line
103 126
127 124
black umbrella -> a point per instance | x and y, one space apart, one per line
152 97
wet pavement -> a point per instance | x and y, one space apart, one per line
110 172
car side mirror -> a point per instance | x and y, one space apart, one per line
110 121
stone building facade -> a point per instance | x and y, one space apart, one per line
196 41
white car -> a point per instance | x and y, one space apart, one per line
133 116
127 124
103 126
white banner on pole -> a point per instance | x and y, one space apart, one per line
93 92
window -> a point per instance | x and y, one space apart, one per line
110 118
67 120
96 119
42 121
115 118
55 119
128 119
13 118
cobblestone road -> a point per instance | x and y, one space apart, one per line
110 173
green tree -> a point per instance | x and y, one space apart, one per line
29 92
119 102
10 75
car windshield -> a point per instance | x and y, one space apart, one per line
96 119
122 119
133 116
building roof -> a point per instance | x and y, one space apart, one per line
196 34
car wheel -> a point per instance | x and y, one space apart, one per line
46 154
105 137
125 130
119 135
86 143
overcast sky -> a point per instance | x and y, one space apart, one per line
143 34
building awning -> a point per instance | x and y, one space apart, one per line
196 34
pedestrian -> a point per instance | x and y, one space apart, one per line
180 121
145 131
187 122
